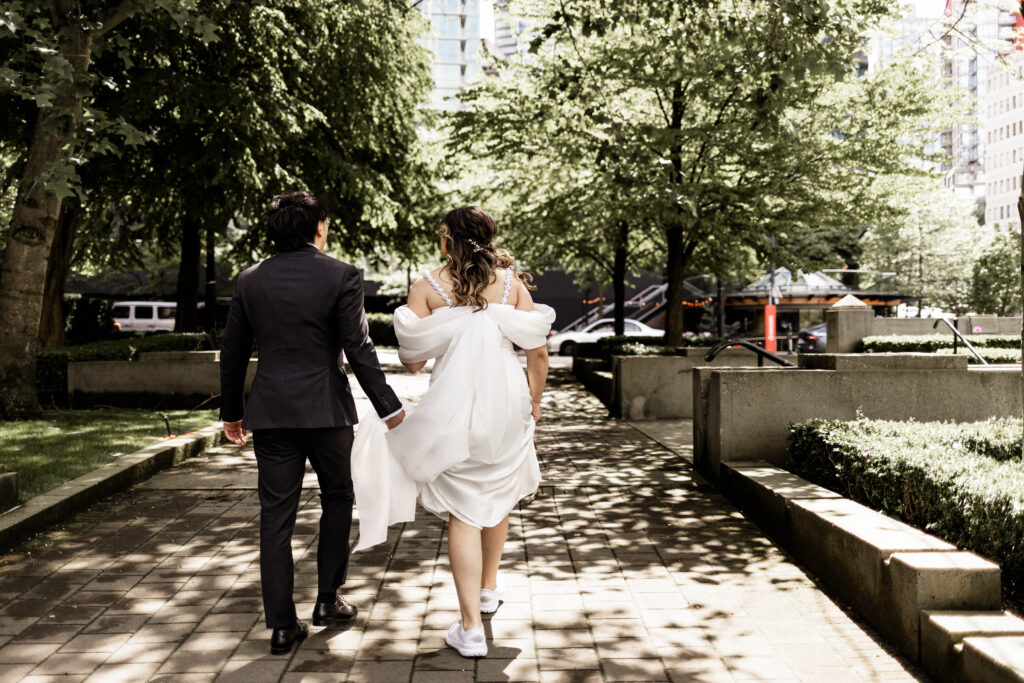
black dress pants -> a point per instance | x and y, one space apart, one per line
281 460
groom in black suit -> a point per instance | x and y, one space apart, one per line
303 309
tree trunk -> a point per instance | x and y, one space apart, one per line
51 322
188 276
210 291
720 308
33 224
619 277
676 265
674 293
1020 212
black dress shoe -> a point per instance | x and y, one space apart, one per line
283 638
331 612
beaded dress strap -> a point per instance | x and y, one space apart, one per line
508 285
437 288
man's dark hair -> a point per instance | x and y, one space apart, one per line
293 219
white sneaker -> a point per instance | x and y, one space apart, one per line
489 600
471 643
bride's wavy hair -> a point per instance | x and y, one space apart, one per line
469 233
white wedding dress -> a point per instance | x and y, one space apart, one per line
467 449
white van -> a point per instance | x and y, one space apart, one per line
144 316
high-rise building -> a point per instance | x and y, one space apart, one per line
1003 131
963 38
1004 136
460 28
967 54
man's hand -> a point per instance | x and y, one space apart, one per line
395 421
235 433
535 410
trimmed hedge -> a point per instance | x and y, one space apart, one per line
990 355
961 482
930 343
382 329
624 345
52 363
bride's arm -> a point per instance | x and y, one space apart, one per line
418 304
536 359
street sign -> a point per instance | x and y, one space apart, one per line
769 328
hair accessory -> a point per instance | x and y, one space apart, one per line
476 246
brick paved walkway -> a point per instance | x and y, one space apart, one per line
624 568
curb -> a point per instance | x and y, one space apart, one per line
62 502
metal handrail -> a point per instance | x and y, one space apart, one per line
761 353
958 335
641 299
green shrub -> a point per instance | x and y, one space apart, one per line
52 363
643 345
989 354
633 349
962 482
930 343
382 329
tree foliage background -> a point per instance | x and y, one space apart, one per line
703 128
167 126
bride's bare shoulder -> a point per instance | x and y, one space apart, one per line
419 298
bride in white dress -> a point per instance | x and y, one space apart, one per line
468 445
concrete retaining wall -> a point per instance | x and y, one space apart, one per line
847 326
166 377
744 414
916 590
595 376
661 387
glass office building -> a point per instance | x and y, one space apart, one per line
460 27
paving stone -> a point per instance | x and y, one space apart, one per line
142 653
195 662
255 671
576 658
228 622
571 676
47 633
306 660
77 663
427 676
559 638
117 623
96 642
123 673
26 653
633 669
12 673
211 640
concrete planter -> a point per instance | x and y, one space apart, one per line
744 414
661 387
167 379
940 606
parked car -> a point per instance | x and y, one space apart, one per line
565 343
812 340
144 316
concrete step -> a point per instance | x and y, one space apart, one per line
943 633
998 659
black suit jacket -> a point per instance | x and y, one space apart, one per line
303 308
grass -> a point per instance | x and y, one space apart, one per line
66 444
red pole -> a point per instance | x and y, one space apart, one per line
769 328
